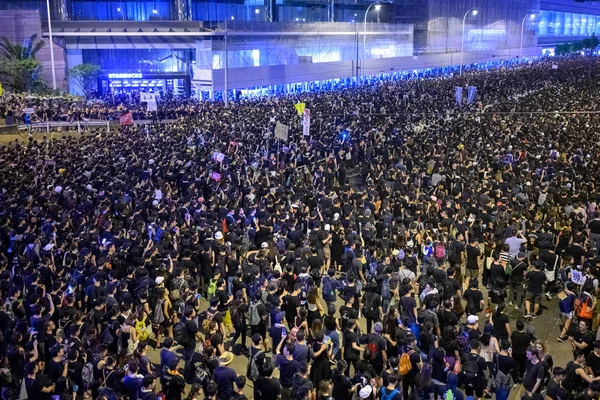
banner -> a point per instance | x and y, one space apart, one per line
458 94
300 108
218 157
1 89
215 176
148 97
281 131
152 106
126 119
471 94
306 123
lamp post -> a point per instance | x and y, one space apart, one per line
531 16
51 46
377 5
462 48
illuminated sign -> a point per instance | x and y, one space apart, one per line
126 75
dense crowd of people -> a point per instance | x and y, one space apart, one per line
208 238
20 109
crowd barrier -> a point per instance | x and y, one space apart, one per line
52 125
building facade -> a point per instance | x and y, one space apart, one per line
194 46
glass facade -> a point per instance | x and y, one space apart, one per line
140 60
558 23
204 10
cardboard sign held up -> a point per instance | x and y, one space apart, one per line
281 131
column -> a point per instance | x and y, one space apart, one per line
74 58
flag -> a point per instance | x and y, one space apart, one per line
1 90
126 119
300 108
458 93
471 94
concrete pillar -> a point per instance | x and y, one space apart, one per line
74 57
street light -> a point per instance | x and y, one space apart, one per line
51 46
462 48
377 5
531 17
377 8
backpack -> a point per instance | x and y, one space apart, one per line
405 365
208 340
106 337
141 329
253 289
212 288
386 292
440 251
451 253
201 376
389 396
472 308
253 371
303 280
566 305
470 371
253 316
373 268
328 290
87 375
572 382
369 309
449 395
180 333
236 318
401 255
462 340
447 288
584 310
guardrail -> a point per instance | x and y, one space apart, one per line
50 125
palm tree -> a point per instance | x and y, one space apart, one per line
18 65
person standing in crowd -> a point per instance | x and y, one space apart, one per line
180 231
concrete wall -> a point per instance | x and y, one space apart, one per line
242 78
18 25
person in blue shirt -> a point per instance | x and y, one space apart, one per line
224 376
133 380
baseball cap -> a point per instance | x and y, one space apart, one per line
218 235
472 319
264 245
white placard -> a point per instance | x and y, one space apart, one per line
158 194
306 123
148 97
28 110
152 106
281 131
554 66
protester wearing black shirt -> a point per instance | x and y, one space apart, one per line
266 387
535 281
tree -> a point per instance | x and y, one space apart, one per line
590 43
85 76
19 68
